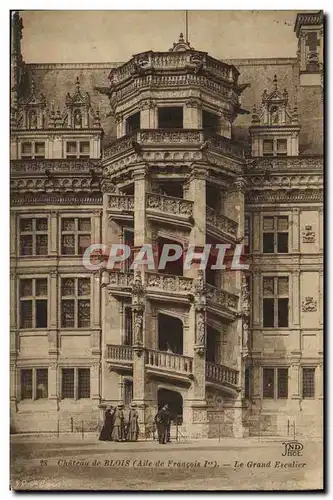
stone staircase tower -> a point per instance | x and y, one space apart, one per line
174 176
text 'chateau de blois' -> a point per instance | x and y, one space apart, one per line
169 147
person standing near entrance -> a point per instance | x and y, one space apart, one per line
163 422
167 420
132 433
107 428
118 433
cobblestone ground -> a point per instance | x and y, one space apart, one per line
58 464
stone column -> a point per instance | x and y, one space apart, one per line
142 235
192 114
13 235
121 125
225 125
53 336
256 298
256 233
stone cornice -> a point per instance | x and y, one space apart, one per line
56 132
99 65
254 165
54 165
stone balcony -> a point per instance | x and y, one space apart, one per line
188 139
220 226
170 366
168 209
171 288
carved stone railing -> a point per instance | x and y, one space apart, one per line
169 204
168 283
288 163
119 353
221 297
120 202
190 137
221 222
119 279
168 361
226 146
56 165
221 374
175 136
173 60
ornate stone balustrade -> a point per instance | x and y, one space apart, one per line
169 204
221 374
221 297
120 202
226 146
55 165
119 279
119 353
148 61
168 283
288 163
174 136
189 137
221 222
168 361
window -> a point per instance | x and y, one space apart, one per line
275 383
275 302
275 234
75 302
281 147
26 384
32 150
247 383
33 303
34 236
75 383
128 391
268 147
275 147
308 383
170 117
67 383
78 149
83 383
133 123
128 338
75 235
34 383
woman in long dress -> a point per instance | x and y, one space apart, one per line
118 433
133 424
106 431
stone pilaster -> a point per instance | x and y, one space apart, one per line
192 114
294 378
54 233
295 295
13 235
54 382
53 315
148 114
295 225
95 383
256 233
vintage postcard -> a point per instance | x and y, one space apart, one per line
166 209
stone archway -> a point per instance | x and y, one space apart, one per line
174 400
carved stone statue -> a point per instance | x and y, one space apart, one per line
138 326
201 328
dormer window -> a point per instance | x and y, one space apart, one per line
275 129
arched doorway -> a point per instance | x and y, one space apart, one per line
175 402
170 334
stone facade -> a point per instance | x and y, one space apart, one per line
248 355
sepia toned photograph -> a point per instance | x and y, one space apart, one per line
166 250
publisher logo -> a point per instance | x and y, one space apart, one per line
292 449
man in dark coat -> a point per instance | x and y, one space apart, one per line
107 428
163 422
